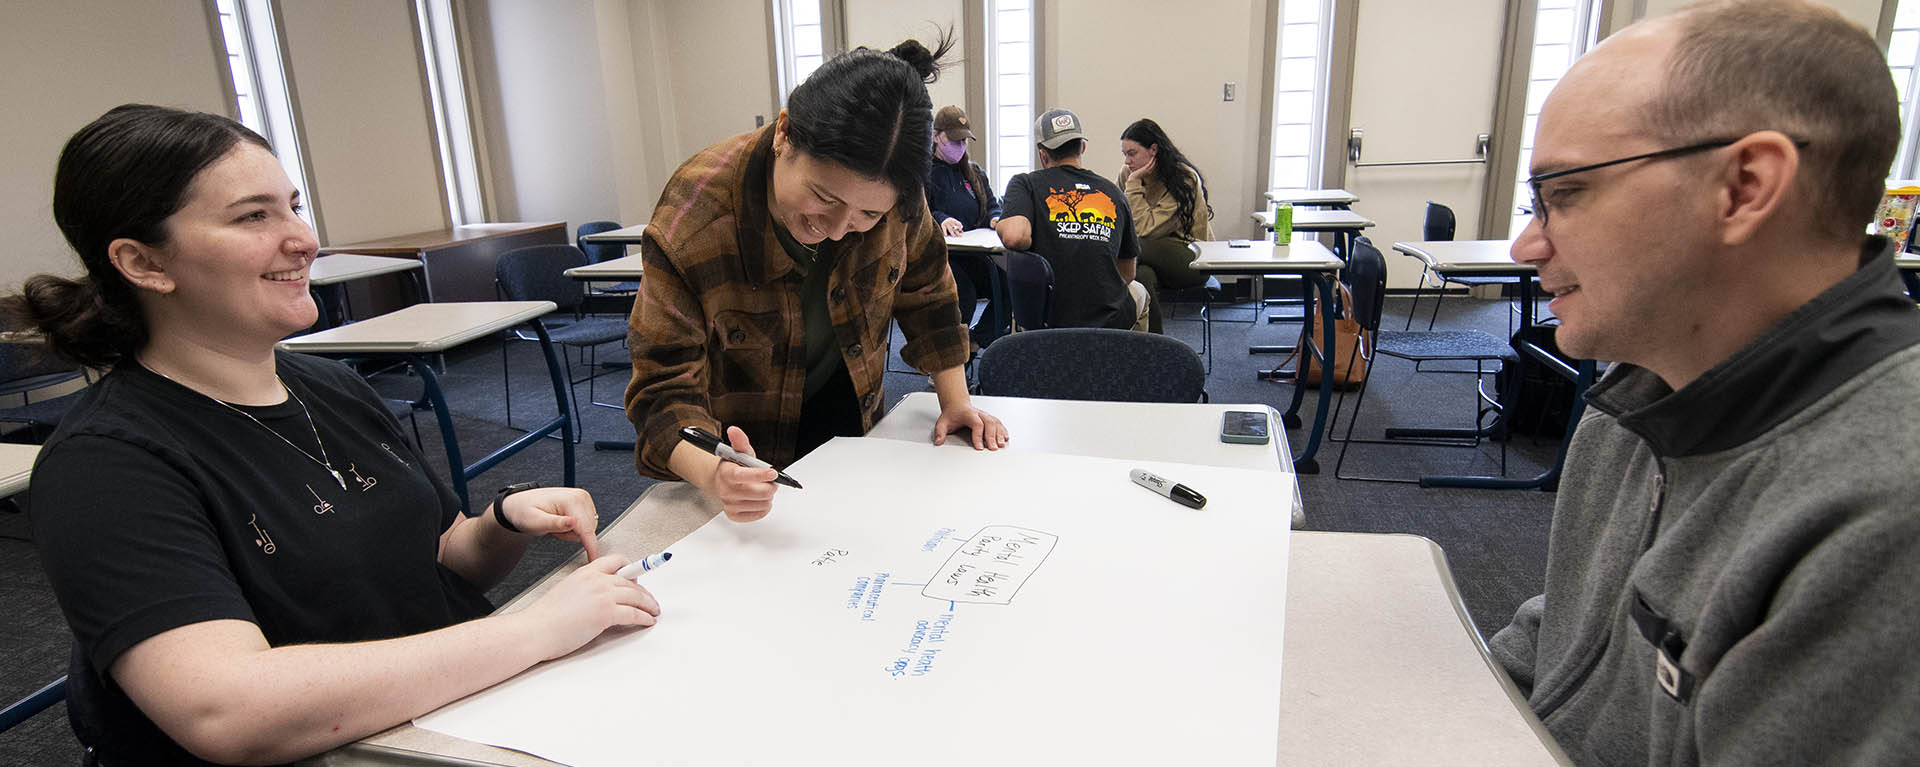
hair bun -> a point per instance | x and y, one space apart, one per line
917 56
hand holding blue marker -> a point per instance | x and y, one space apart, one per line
634 570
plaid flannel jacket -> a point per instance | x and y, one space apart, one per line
717 335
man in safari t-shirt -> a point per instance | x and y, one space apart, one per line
1080 224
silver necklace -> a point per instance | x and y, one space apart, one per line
323 460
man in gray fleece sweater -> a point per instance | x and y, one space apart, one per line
1733 576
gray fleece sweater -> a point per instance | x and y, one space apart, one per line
1762 526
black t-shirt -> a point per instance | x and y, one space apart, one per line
156 507
1082 227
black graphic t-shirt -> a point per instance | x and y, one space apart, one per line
155 507
1082 226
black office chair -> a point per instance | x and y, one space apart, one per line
1029 289
536 273
1439 227
1366 273
25 369
1100 364
600 251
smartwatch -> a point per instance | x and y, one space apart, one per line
499 515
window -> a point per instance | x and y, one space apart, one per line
1299 95
1563 30
1903 54
1010 110
260 85
447 95
799 42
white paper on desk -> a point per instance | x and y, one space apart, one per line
1086 620
986 239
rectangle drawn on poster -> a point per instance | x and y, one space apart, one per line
991 566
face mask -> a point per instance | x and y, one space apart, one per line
950 151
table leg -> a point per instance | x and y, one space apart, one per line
562 396
1306 463
431 394
1582 373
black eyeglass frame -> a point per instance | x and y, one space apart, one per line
1533 183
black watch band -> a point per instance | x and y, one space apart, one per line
499 515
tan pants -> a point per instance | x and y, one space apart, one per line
1140 299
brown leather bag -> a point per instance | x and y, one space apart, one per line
1353 350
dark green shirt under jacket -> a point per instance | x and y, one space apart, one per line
823 353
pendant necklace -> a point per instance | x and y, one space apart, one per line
323 460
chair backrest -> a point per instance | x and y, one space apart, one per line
534 273
597 252
1092 364
1439 223
1030 285
25 367
1366 276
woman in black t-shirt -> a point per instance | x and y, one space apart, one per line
255 563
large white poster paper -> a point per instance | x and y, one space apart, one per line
935 606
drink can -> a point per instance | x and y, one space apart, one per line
1283 222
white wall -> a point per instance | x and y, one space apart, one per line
881 24
1115 62
65 64
546 107
355 66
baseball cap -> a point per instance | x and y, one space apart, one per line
1056 127
952 121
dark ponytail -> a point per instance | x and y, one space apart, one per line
1171 167
121 176
869 111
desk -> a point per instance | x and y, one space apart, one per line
1182 433
422 330
619 269
626 235
1494 258
1382 664
1345 225
16 466
338 269
457 263
1315 265
1337 199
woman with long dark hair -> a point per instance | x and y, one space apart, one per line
775 261
255 562
1168 198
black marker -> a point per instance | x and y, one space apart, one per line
1180 494
703 439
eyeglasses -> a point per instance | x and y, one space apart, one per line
1540 209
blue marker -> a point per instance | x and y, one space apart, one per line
634 570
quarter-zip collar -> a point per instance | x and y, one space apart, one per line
1844 330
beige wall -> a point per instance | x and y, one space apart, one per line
716 69
884 23
66 63
1092 68
355 67
546 106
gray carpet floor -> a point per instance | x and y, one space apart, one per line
1495 540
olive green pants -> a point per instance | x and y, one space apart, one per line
1165 262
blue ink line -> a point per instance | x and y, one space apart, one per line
949 605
